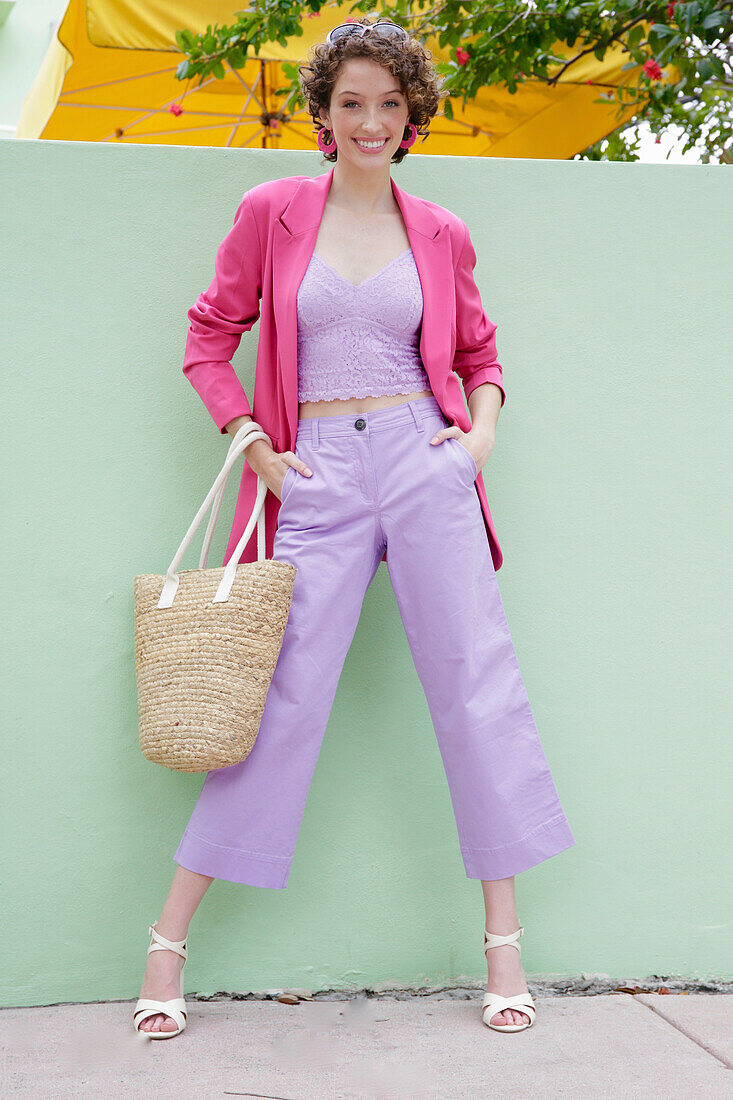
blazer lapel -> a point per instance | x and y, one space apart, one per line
430 242
294 240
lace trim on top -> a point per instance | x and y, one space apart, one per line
360 340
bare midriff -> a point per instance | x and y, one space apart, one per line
339 407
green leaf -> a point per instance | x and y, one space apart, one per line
635 35
448 108
218 69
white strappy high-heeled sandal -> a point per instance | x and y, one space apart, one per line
493 1002
176 1007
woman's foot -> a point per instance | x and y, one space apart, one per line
506 977
161 982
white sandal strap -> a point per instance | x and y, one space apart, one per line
175 1008
522 1002
162 944
490 940
499 1003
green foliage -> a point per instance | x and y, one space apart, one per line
509 43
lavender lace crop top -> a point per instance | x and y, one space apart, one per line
360 340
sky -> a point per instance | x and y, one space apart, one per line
669 149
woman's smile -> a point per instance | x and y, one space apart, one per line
370 146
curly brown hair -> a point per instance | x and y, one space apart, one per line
407 61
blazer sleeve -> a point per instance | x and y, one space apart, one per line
221 314
475 360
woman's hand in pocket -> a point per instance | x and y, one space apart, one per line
284 462
272 466
479 444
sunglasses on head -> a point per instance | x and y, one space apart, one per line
385 29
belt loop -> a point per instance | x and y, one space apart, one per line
415 417
315 432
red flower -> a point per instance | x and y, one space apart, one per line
175 109
462 55
589 80
652 69
670 9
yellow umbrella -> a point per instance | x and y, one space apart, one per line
109 75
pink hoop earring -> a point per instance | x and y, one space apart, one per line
323 145
408 141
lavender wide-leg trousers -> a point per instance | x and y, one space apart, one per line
377 484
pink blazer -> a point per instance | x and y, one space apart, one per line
258 269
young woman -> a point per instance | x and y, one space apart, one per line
369 315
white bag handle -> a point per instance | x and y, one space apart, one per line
250 426
247 434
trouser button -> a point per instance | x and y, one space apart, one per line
360 424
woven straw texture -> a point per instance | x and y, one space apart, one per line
203 668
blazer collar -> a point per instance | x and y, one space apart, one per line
306 206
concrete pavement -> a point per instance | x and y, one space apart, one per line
345 1046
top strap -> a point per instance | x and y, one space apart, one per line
179 946
490 940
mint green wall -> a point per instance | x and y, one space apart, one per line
610 488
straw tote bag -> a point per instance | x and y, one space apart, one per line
207 641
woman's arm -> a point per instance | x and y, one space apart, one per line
475 360
484 403
222 313
259 455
